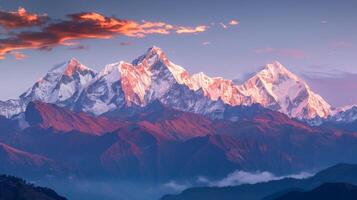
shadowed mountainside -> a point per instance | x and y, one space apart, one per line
12 188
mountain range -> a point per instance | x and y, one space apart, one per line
157 142
153 77
150 120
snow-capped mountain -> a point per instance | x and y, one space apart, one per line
104 93
153 77
61 85
148 78
277 88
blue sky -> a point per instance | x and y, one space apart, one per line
315 39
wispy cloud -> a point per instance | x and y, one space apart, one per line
18 55
237 177
205 43
173 185
223 25
87 25
21 18
234 22
242 177
197 29
293 53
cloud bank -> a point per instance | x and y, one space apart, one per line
21 18
85 25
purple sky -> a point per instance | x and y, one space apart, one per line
316 40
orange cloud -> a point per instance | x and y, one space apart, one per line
88 25
196 29
21 18
233 22
18 55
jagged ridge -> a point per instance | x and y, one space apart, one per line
153 77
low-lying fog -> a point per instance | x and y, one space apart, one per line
124 190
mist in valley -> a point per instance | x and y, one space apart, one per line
75 189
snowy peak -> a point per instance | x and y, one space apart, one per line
70 67
111 72
73 66
147 78
61 85
275 71
201 80
156 61
277 88
153 77
151 56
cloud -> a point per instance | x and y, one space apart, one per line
87 25
234 22
197 29
293 53
235 178
223 25
230 23
18 55
21 18
242 177
177 186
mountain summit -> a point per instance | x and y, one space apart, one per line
153 77
277 88
61 85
